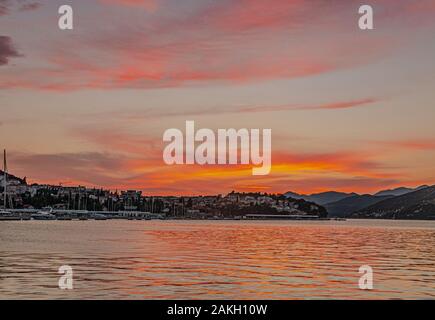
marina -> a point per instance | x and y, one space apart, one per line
69 215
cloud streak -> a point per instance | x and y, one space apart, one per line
19 5
30 6
223 42
412 144
91 168
156 113
148 5
7 50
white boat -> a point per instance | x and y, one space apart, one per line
99 216
9 216
42 215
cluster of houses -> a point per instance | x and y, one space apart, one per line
20 194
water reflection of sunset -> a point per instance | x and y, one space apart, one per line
221 259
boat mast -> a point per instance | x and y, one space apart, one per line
5 168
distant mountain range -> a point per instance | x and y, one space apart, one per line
346 206
320 198
399 191
418 204
415 204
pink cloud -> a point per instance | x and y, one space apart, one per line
149 5
7 50
223 42
414 144
330 106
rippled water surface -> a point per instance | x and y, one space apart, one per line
217 259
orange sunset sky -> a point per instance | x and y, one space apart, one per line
350 110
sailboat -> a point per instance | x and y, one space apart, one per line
4 214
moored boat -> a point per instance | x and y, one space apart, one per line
9 216
99 216
42 215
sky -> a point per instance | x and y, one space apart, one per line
350 109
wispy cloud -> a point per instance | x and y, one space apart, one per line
327 106
3 8
7 6
7 50
158 113
91 168
423 144
150 5
219 42
30 6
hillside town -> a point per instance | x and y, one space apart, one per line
21 195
